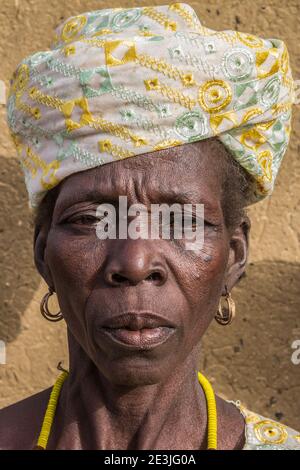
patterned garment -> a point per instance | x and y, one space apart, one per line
122 82
262 433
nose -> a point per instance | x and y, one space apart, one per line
132 262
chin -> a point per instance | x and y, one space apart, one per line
134 371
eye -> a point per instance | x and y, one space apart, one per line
84 219
194 220
209 224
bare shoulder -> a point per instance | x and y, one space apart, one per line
231 425
21 422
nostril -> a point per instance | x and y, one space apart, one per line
156 276
118 278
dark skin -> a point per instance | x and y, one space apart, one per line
135 400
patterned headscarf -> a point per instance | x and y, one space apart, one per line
122 82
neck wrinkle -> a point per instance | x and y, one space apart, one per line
139 418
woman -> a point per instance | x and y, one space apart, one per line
207 117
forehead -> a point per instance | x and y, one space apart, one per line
192 170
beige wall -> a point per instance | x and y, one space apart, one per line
250 360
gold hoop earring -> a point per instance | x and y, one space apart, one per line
45 309
227 317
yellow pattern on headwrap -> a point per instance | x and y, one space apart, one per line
121 82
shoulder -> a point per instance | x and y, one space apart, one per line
230 425
262 433
20 423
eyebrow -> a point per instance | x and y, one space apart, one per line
181 197
168 196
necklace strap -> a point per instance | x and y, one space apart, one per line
211 412
53 400
50 412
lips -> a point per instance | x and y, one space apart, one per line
137 321
142 330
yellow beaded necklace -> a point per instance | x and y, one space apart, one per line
51 407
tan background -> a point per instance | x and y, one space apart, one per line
250 360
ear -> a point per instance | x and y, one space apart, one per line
40 243
238 254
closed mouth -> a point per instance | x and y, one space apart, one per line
144 338
137 321
141 330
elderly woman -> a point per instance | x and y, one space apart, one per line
207 117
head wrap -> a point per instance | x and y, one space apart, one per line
121 82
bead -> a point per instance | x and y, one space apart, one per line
238 64
73 27
270 92
215 95
125 18
191 126
270 432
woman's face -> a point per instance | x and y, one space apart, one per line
97 280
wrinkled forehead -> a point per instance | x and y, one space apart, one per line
185 174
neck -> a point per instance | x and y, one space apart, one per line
94 412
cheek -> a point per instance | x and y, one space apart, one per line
74 262
203 282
